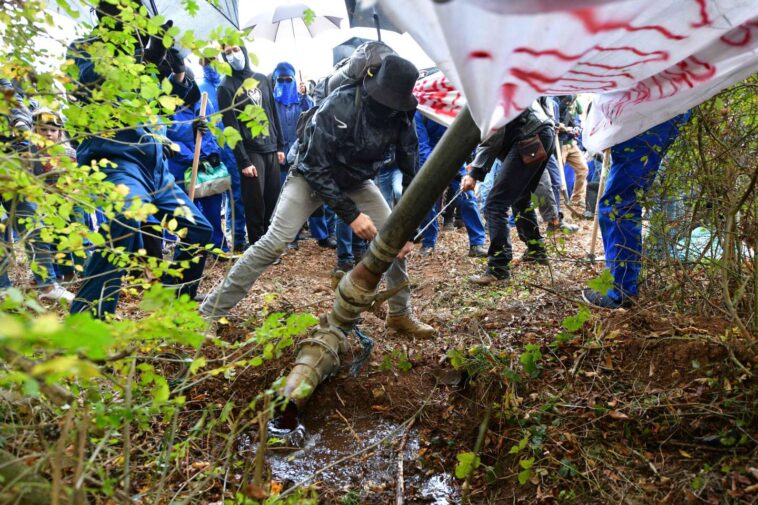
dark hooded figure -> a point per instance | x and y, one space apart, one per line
258 156
344 145
138 162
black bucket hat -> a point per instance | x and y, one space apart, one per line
392 84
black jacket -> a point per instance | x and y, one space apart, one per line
342 148
528 123
266 142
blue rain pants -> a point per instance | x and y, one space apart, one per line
634 166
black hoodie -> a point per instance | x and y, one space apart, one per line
264 97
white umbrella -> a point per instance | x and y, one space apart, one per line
278 17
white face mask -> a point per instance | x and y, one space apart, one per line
236 60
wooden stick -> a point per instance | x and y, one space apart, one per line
559 159
198 146
400 485
600 190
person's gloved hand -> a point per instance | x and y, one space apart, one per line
175 61
214 159
199 126
169 149
155 50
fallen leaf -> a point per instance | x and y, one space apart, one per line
255 492
685 454
615 414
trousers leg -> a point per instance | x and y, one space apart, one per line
344 243
38 251
191 248
296 202
210 206
370 201
317 224
555 180
429 237
514 184
575 158
235 208
546 199
102 278
472 219
634 166
272 186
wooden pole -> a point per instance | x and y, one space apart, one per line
600 190
198 146
559 159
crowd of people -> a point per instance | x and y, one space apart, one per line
334 165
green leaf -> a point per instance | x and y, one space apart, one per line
231 136
467 463
197 364
603 283
575 322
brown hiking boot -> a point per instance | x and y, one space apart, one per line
490 277
409 325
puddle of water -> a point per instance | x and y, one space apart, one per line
372 475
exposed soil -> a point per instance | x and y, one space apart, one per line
638 406
642 406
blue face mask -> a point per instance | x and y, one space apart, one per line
285 91
211 75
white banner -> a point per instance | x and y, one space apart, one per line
502 54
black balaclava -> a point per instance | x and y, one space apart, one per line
377 114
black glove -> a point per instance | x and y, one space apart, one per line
175 61
155 50
199 125
214 159
168 153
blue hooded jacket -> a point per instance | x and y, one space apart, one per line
211 81
180 132
137 145
289 104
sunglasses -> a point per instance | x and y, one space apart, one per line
286 78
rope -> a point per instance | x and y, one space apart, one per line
434 219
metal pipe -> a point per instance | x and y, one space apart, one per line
318 357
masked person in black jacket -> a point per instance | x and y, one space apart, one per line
343 147
523 146
258 156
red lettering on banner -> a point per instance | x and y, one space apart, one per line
533 77
704 19
658 55
588 18
740 36
592 74
508 95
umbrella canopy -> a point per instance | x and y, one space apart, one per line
371 17
273 19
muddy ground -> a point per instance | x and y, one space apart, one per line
648 405
636 406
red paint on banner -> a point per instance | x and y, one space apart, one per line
508 95
655 55
533 78
593 25
740 36
480 54
704 18
593 74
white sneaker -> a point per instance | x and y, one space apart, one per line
58 293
